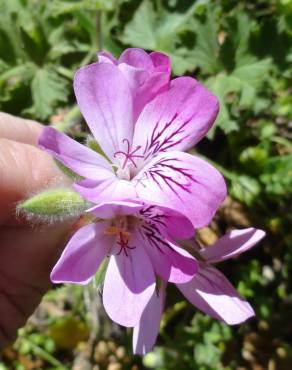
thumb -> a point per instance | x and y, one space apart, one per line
24 170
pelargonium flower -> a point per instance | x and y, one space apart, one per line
208 290
143 122
139 241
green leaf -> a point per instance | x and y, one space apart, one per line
245 188
61 46
206 50
238 76
21 73
15 78
251 77
239 88
141 30
58 7
3 66
206 354
55 204
240 27
9 28
222 85
277 176
48 88
154 30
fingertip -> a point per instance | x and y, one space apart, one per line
18 129
24 170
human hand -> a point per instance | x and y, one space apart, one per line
27 252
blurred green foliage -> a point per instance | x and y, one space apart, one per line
242 50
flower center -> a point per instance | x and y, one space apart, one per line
125 171
123 238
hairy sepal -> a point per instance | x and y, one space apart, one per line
93 144
54 205
68 172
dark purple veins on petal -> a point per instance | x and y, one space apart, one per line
151 234
150 229
157 143
150 214
159 172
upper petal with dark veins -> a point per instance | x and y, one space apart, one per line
176 119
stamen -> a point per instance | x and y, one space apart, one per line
123 238
124 244
129 155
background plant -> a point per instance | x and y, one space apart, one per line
242 50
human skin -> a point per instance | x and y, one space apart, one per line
28 251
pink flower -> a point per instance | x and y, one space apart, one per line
139 242
208 290
143 122
146 193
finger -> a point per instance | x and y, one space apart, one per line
24 170
19 129
27 257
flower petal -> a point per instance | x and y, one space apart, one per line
147 74
169 261
171 222
181 181
105 57
79 158
145 333
128 286
135 76
83 255
177 118
232 244
213 294
116 208
161 62
105 100
137 58
111 189
177 225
